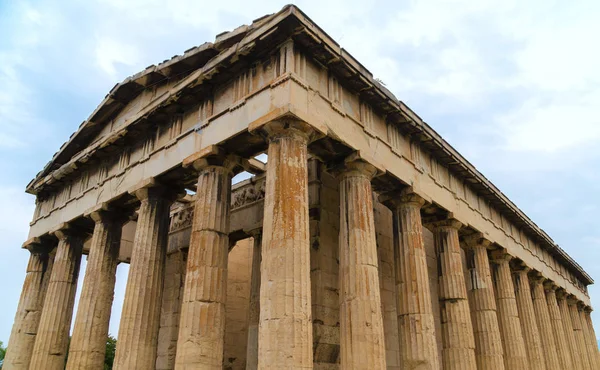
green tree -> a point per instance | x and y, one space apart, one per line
111 347
2 353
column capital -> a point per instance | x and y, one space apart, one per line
215 156
588 309
36 246
572 300
288 126
254 231
356 165
152 188
518 267
500 255
536 277
561 294
449 223
476 240
403 198
105 213
549 285
65 231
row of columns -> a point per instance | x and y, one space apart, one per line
495 319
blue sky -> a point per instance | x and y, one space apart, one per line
514 86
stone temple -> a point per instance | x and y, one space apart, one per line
364 241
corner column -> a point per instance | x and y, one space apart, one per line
285 327
254 307
578 333
29 310
565 314
361 321
590 343
138 331
52 341
515 355
540 308
202 323
593 341
457 329
488 342
531 333
562 346
416 325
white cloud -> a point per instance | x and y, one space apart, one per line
111 53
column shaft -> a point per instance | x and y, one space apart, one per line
578 334
531 334
540 308
361 321
593 338
88 344
138 331
202 324
565 314
29 310
52 340
254 308
591 343
457 329
285 327
488 342
515 355
416 325
562 347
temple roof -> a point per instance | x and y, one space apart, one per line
199 64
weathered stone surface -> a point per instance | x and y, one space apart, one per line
361 322
590 342
565 314
593 344
52 340
457 329
416 327
488 341
202 323
29 310
254 308
515 354
531 334
88 343
542 315
578 333
285 328
562 346
140 318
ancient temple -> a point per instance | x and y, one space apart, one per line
363 241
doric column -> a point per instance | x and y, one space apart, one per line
138 331
565 314
457 329
88 344
578 333
515 355
29 310
531 334
540 307
361 322
416 325
285 328
562 346
488 342
590 342
593 340
202 323
254 307
53 334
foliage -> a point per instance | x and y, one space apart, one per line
111 347
2 353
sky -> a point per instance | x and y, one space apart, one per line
514 86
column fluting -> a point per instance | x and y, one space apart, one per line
531 334
88 344
540 307
590 343
285 326
202 323
29 310
361 321
565 314
515 355
457 330
562 346
52 340
592 334
489 353
138 330
578 333
416 325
